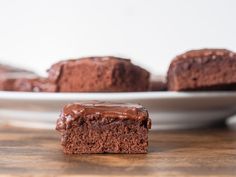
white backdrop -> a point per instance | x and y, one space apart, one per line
36 33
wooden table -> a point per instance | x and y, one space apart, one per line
209 152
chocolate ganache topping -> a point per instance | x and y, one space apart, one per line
73 112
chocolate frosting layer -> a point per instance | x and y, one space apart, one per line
72 112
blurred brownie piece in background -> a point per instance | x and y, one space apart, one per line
98 74
7 68
104 127
205 69
157 83
9 75
35 85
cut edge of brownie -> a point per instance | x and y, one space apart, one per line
137 78
96 133
55 70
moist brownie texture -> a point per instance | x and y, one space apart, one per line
35 85
102 127
205 69
98 74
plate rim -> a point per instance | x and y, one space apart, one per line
43 96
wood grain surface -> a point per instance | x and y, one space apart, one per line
209 152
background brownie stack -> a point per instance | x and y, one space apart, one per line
92 74
38 84
10 75
195 70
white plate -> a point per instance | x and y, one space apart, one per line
166 109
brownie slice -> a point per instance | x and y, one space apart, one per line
98 74
9 75
8 80
104 127
35 85
205 69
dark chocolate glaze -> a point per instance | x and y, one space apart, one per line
72 112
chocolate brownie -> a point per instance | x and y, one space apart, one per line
9 75
205 69
104 127
35 85
98 74
8 80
